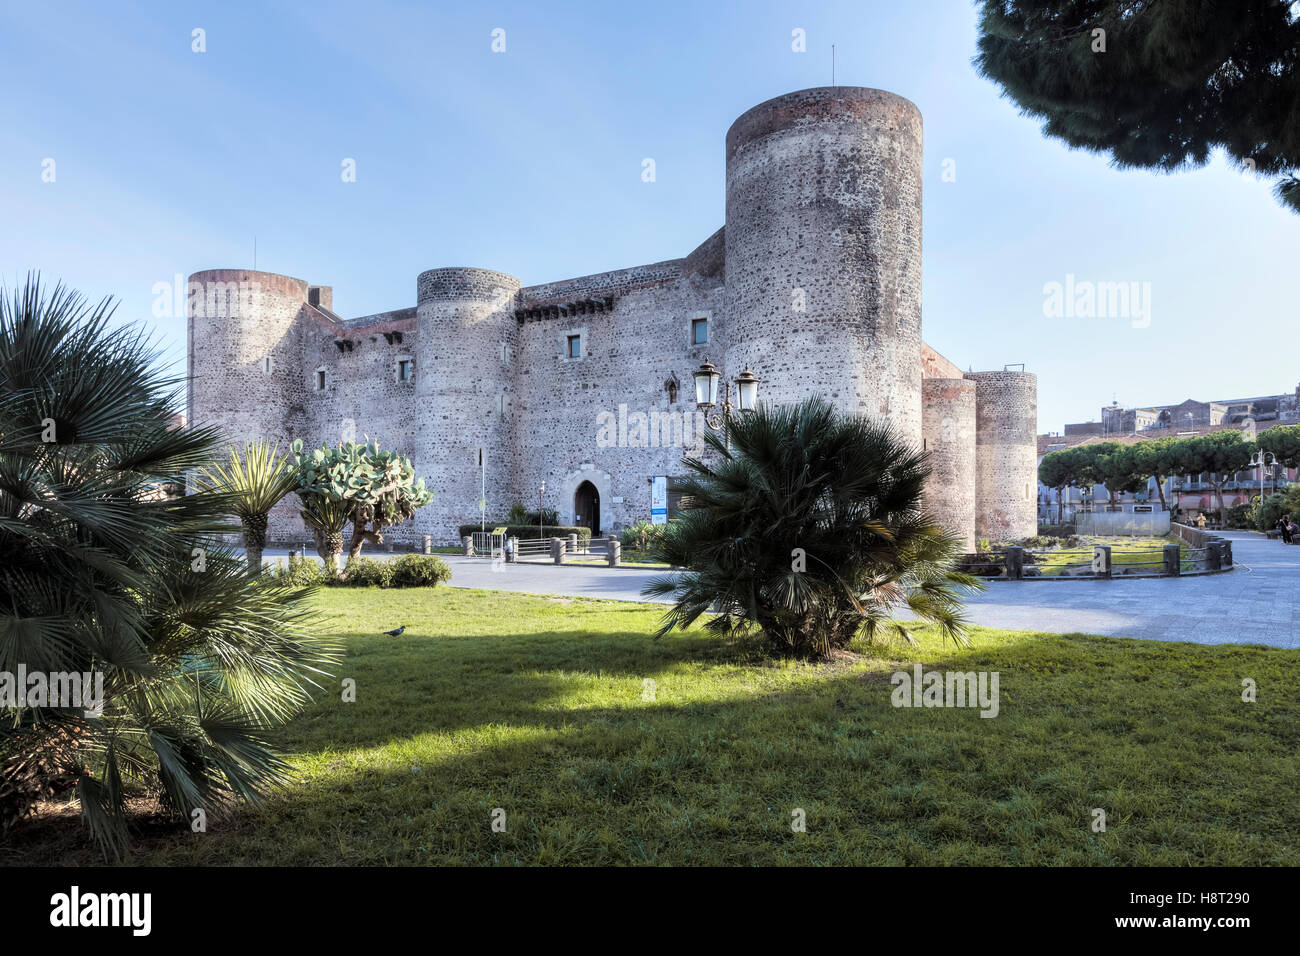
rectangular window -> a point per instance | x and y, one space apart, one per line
320 380
575 346
403 371
699 331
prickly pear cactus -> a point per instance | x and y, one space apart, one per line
373 488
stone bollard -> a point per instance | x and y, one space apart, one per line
1213 557
557 550
512 550
615 553
1015 563
573 544
468 542
1101 563
1173 559
428 544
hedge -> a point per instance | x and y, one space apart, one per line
523 531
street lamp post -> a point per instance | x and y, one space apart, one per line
717 414
540 521
1260 460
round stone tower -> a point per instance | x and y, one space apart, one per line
245 357
823 251
948 423
466 341
1006 454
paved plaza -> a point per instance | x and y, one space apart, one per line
1257 603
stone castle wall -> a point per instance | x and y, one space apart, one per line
814 281
1006 454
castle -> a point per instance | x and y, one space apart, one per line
586 384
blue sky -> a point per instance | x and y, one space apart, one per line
529 161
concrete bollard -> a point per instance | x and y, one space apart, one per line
615 554
573 544
1015 563
468 542
428 544
557 550
1101 560
512 550
1173 559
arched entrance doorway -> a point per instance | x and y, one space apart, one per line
586 507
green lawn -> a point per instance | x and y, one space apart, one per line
535 705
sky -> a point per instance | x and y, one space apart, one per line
167 161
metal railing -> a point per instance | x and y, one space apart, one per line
1098 563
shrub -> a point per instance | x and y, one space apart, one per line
805 527
301 573
368 573
526 531
642 535
419 571
1277 505
1238 516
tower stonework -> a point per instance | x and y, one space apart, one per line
948 422
824 250
1006 454
585 384
467 341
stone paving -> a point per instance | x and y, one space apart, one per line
1257 603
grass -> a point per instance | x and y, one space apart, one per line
539 706
1139 555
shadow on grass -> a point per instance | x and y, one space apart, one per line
551 728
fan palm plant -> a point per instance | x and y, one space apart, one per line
326 518
254 484
105 572
808 530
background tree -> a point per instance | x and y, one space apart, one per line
1284 442
1059 470
1124 470
1090 467
374 489
809 531
253 485
1155 458
1218 455
1166 83
104 572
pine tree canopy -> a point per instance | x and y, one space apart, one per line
1157 84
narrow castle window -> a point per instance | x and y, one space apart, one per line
575 346
699 331
404 370
266 365
320 380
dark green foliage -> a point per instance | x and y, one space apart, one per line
102 570
419 571
1178 78
525 531
641 536
368 573
808 531
1283 441
407 571
1239 516
1275 506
